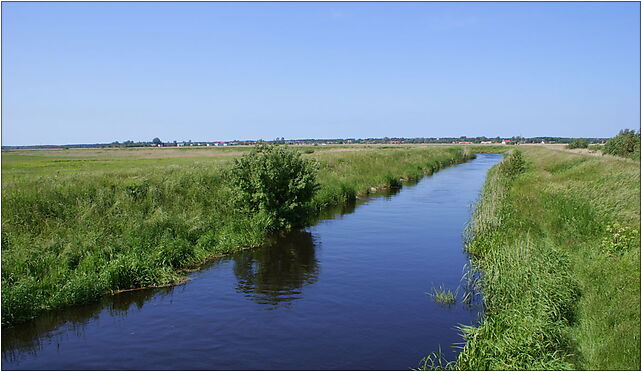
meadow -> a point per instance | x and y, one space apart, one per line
555 245
78 224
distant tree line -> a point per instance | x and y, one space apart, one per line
331 141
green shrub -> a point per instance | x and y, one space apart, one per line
277 182
513 164
625 144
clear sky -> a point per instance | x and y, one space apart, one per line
101 72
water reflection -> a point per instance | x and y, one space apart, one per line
390 192
55 326
276 273
273 274
337 212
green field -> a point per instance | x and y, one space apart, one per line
79 223
556 243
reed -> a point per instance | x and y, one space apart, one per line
436 361
444 296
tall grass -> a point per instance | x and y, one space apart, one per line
345 176
436 361
557 246
70 237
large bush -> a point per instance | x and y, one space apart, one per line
625 144
513 164
276 182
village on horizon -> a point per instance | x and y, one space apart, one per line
463 140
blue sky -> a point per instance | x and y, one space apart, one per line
101 72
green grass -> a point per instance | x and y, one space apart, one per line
444 296
436 361
557 247
79 224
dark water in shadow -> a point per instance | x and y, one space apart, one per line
348 293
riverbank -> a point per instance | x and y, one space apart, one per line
556 243
76 229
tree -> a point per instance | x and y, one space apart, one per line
156 141
277 182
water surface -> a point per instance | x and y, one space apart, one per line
348 293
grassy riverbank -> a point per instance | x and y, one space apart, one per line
77 225
557 245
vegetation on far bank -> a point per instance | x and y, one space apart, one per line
580 143
76 229
555 243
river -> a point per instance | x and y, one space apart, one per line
349 293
